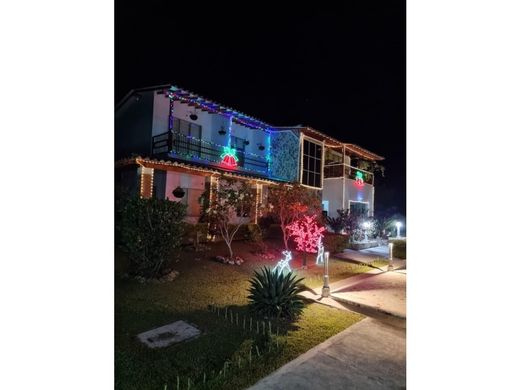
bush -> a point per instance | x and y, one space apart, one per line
253 233
336 224
194 231
399 250
150 231
335 243
274 231
274 294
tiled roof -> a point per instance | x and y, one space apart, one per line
181 164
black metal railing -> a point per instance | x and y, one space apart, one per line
197 150
339 170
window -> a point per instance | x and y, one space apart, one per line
187 137
311 174
359 208
240 146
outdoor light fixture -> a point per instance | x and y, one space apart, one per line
390 256
398 226
325 290
178 192
261 147
222 131
246 142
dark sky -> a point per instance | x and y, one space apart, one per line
337 68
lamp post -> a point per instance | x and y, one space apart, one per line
390 256
325 291
398 225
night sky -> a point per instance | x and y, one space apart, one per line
339 69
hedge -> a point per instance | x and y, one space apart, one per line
399 250
335 243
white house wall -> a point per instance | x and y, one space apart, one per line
356 194
194 184
332 192
211 124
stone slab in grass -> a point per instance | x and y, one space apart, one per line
169 334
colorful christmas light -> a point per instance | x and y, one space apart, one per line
284 263
229 157
359 179
307 233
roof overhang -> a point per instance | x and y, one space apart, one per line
186 167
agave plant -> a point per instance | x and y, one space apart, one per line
274 294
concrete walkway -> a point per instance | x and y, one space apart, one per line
380 290
369 255
384 292
367 355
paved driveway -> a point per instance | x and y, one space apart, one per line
368 355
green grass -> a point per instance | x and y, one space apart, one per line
140 307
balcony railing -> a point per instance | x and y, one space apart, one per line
203 152
339 170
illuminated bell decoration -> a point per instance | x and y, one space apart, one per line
178 192
359 179
229 157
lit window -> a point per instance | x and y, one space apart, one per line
311 174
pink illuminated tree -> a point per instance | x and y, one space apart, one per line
307 234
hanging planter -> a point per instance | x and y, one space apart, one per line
178 192
222 131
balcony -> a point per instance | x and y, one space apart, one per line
199 151
340 170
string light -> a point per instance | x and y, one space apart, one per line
284 263
238 117
229 157
141 161
307 233
359 182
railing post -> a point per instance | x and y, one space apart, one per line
170 138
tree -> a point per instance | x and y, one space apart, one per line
234 200
290 203
307 234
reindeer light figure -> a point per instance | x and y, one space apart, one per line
321 251
284 263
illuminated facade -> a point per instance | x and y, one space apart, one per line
171 140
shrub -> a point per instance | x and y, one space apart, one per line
399 250
335 243
336 224
275 231
150 231
274 294
253 233
264 222
195 232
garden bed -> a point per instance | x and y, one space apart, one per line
204 282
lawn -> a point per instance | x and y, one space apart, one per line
203 282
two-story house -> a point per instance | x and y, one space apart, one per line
174 144
342 173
